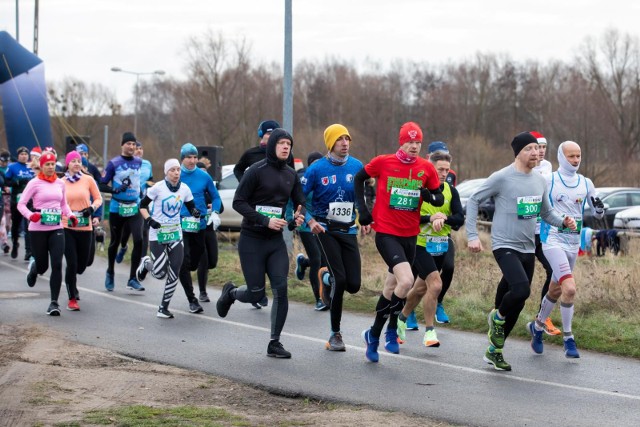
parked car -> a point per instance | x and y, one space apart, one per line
615 199
466 188
230 219
628 219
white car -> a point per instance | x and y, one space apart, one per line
229 218
628 219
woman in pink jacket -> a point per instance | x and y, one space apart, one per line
47 194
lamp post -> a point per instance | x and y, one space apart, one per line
137 74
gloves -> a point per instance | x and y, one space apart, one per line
87 211
152 223
214 219
35 217
74 220
597 204
195 212
126 183
364 217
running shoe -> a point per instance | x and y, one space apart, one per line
224 302
14 250
54 309
262 303
550 329
496 359
164 313
402 331
134 285
441 315
536 338
120 254
335 343
431 339
194 307
108 282
275 349
320 306
6 248
570 349
73 305
32 275
27 256
300 269
204 297
391 341
412 322
141 271
372 343
324 280
496 330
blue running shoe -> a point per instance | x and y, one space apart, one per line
441 315
536 338
391 341
300 269
134 285
120 254
372 346
108 282
570 349
412 322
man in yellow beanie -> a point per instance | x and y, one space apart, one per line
332 220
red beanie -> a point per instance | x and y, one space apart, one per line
409 131
48 156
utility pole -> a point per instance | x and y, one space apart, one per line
287 101
18 21
35 29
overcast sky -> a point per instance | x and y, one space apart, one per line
85 38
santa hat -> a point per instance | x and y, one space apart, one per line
36 151
541 139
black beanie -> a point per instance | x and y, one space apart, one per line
521 140
128 136
313 156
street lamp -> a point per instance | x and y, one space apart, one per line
137 74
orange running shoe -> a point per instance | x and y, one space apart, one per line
550 329
73 305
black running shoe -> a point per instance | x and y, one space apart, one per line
224 302
194 307
275 349
27 256
6 248
164 313
54 309
32 275
204 297
141 271
14 250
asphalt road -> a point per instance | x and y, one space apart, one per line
450 383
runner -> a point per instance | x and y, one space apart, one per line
208 260
332 221
568 193
404 180
124 173
432 247
261 198
84 199
165 232
17 176
520 196
47 193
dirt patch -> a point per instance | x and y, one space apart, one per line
47 380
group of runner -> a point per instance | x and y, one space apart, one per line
416 207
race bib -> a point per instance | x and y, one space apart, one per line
169 233
270 211
190 224
340 211
437 245
126 210
567 230
529 206
403 199
83 221
50 216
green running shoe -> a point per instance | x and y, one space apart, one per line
402 331
496 359
496 330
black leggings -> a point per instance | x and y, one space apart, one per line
312 248
18 222
49 245
116 226
166 259
343 260
77 249
515 286
545 264
126 232
209 260
193 249
446 274
257 258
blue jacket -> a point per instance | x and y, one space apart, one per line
200 183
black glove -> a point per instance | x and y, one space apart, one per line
195 213
291 225
364 217
126 183
152 223
597 204
87 211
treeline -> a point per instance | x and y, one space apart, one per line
476 106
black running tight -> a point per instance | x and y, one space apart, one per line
49 245
116 225
209 259
77 248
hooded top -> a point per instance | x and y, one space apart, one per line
276 136
253 155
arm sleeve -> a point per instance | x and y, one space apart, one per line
358 182
456 219
144 204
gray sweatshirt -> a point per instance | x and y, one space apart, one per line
519 198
